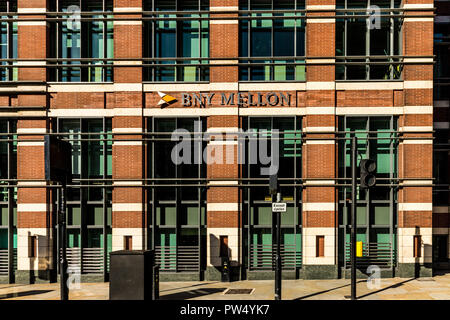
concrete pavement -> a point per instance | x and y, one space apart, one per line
436 288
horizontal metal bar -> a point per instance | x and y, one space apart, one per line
238 11
236 139
185 185
214 179
210 133
183 17
207 136
215 65
341 57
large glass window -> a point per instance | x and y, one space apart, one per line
8 195
176 43
8 41
88 202
442 67
258 217
376 207
74 39
177 218
367 46
271 41
441 193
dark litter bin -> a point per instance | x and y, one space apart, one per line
131 275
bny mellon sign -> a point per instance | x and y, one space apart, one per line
242 99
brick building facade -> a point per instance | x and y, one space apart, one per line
116 78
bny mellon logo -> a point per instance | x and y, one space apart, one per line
166 99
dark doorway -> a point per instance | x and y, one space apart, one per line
440 252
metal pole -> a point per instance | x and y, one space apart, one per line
353 231
62 250
278 255
274 246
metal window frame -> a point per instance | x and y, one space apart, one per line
248 16
84 52
368 59
151 199
343 207
84 185
248 190
9 38
149 23
11 125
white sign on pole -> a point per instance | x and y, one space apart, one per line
279 207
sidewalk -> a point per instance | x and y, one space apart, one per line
436 288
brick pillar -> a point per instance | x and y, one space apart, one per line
223 203
319 208
128 202
415 156
33 209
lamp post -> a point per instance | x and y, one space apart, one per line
368 180
62 244
58 168
353 214
278 254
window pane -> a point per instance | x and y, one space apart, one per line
72 127
165 43
356 38
284 38
95 237
3 48
182 39
71 43
272 37
261 38
8 41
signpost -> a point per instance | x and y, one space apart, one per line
277 208
58 168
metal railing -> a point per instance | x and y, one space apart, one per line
178 259
262 257
378 254
90 262
4 261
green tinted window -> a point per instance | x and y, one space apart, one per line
283 36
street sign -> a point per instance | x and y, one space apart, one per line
279 207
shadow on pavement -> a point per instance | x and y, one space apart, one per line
22 294
396 285
191 294
325 291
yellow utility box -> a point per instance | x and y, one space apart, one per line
359 249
